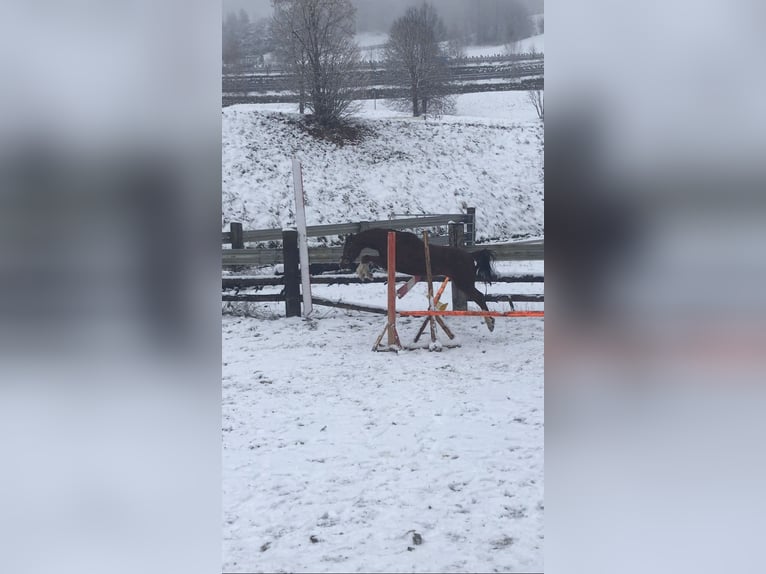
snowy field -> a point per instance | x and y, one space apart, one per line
533 44
334 457
367 39
339 459
509 106
525 46
491 157
513 106
370 46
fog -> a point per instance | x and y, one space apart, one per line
378 15
255 8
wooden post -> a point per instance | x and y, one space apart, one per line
303 250
236 235
457 239
390 328
393 338
292 273
438 319
429 278
237 242
471 226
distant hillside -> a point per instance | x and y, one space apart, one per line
407 166
371 46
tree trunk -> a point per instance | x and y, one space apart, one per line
415 101
302 98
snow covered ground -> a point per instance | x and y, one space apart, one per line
370 46
532 44
492 160
339 459
491 50
366 39
334 456
511 106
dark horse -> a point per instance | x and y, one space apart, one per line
462 267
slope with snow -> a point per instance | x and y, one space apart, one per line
405 165
533 44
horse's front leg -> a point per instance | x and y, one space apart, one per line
363 269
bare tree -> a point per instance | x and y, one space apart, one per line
288 51
456 48
512 48
535 97
315 39
234 28
416 60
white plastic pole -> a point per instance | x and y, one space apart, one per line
303 247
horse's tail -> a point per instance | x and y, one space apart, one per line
484 267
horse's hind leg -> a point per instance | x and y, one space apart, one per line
475 295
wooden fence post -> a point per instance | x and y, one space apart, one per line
457 239
236 236
292 272
237 242
471 226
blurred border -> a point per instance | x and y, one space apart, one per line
655 313
110 175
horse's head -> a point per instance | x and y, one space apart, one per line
348 255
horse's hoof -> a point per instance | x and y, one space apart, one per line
490 323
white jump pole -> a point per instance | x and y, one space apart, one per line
303 248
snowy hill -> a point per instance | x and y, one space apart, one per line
525 46
367 39
533 44
371 46
406 166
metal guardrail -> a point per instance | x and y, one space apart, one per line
343 228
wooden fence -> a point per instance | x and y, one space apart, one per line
462 233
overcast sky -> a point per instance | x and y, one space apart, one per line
256 8
380 13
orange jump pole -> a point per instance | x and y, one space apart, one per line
472 313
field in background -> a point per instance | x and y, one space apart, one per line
371 45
